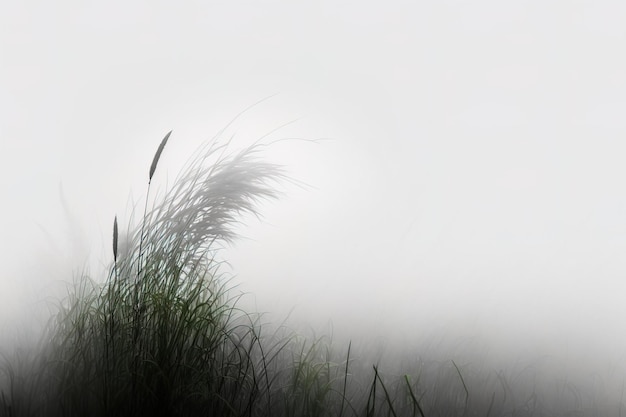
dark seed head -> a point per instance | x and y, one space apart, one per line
157 155
115 239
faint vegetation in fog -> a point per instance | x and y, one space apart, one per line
163 336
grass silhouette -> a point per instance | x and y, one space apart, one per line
163 336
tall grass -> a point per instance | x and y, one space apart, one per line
162 335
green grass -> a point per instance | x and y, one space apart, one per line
162 335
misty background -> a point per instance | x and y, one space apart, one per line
470 184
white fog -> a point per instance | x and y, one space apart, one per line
457 166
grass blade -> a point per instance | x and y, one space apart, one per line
416 403
463 382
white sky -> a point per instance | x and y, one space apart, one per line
475 177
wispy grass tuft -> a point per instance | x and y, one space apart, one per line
162 335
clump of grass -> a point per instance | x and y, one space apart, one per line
162 336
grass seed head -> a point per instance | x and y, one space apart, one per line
157 155
115 239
